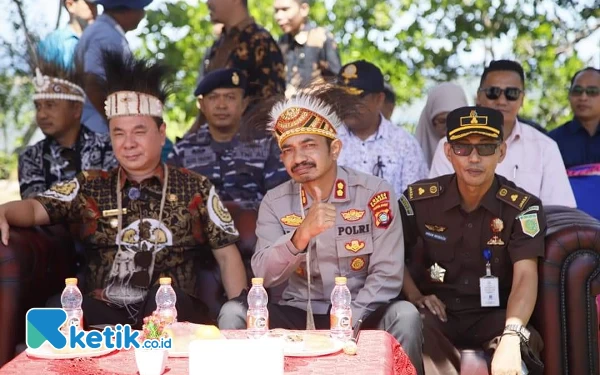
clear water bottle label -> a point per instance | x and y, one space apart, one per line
258 322
341 320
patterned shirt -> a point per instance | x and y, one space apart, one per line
194 221
249 47
47 162
391 153
240 171
310 54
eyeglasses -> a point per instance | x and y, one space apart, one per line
378 167
465 149
510 93
589 90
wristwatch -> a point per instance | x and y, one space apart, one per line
518 329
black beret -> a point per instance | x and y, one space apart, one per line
221 79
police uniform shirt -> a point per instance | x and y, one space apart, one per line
240 171
454 240
365 245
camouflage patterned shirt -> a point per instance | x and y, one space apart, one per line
240 171
194 221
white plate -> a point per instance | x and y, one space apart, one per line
44 352
327 345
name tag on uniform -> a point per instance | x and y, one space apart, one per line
489 291
114 212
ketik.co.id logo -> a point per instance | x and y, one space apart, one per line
44 324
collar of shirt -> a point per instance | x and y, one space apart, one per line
111 21
381 133
239 27
302 37
339 191
575 126
489 200
158 174
516 134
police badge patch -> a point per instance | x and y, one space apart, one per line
219 215
64 191
381 208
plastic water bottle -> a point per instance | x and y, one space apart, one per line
257 317
341 314
71 300
166 298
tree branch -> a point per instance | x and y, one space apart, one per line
578 38
28 35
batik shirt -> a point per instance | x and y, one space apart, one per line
47 162
391 153
309 55
250 48
240 171
194 221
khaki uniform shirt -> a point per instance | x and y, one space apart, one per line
365 245
509 222
194 221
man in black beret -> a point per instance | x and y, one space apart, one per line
481 239
240 171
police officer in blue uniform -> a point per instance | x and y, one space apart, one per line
240 171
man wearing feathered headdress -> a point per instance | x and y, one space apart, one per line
68 147
327 221
143 220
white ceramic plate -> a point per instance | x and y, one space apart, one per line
45 352
307 344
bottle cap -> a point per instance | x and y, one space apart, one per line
257 281
340 280
71 281
165 281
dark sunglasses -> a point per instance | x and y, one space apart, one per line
465 149
579 90
510 93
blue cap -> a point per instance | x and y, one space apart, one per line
221 79
131 4
361 77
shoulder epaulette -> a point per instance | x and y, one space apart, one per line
513 197
423 191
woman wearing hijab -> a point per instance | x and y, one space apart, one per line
441 100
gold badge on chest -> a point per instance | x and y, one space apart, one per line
437 273
497 225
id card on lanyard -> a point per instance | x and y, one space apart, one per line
488 284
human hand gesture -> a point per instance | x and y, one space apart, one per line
320 217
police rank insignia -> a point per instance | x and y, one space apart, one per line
422 191
353 214
340 189
291 220
530 224
381 208
496 225
355 246
357 264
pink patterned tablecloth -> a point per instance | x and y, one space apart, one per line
378 354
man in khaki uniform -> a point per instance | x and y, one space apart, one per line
329 221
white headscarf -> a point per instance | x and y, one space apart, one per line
445 97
